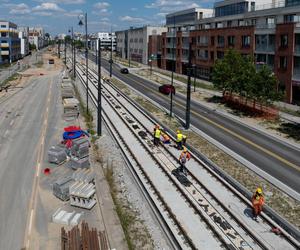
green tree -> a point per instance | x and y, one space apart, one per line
264 88
32 46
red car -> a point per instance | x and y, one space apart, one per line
167 89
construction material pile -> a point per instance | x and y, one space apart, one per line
70 103
86 239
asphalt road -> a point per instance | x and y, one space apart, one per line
21 124
275 157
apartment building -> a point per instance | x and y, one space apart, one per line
106 39
23 35
10 50
133 43
267 30
37 37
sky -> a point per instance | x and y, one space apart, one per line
57 16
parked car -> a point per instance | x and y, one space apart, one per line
167 89
124 71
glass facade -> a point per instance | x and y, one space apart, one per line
292 2
232 9
185 18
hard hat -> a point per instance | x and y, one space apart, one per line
178 131
259 190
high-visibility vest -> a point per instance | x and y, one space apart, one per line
179 137
157 133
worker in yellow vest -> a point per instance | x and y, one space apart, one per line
156 134
179 139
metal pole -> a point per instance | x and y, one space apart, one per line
73 53
188 92
128 51
59 48
74 59
65 51
87 65
195 79
99 108
173 68
111 52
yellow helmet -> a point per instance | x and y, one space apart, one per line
178 131
259 190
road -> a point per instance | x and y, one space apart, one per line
274 157
21 125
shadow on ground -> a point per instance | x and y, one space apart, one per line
292 130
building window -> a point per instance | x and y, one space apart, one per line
229 23
245 41
231 40
212 55
220 54
221 41
3 34
284 40
283 62
3 26
212 41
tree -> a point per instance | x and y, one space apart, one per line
68 39
264 86
32 46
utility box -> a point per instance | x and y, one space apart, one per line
57 154
60 188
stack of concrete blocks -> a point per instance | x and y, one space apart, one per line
84 175
66 218
80 153
67 89
57 154
60 188
80 147
71 108
82 195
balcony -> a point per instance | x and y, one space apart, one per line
171 34
4 45
266 26
185 33
269 48
5 53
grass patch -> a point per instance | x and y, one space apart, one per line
13 77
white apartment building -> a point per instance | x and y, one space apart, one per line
23 35
37 37
133 43
106 39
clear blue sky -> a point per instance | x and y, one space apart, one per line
56 16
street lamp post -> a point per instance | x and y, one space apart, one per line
194 67
111 52
99 108
188 92
86 61
173 67
73 51
65 49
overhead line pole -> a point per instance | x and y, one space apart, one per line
173 68
99 109
188 92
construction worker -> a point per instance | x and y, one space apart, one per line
156 134
183 158
179 139
166 138
258 201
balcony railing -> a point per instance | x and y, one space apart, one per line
277 4
266 26
5 53
170 56
4 45
171 34
269 48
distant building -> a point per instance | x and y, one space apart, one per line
133 43
106 39
10 49
23 35
37 37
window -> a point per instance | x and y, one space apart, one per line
231 9
229 23
212 55
283 62
220 54
284 40
3 34
221 41
212 40
245 41
231 40
3 26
